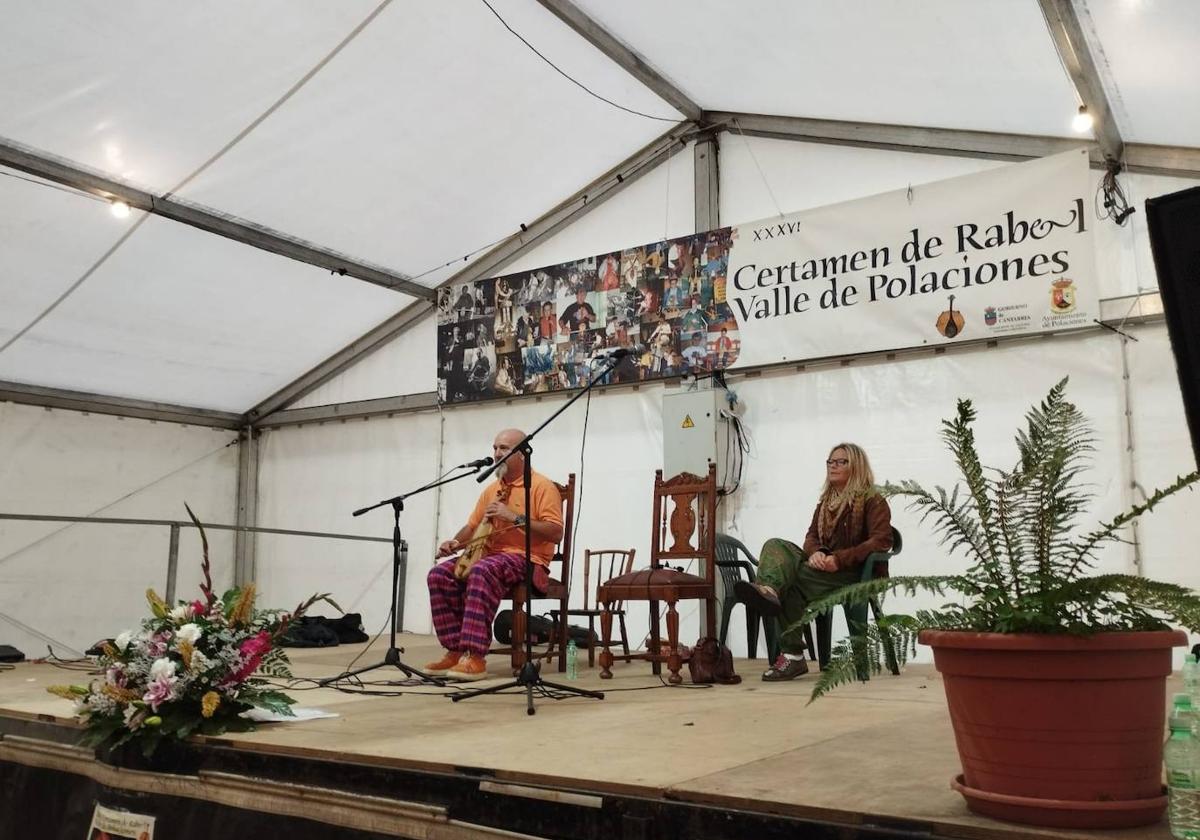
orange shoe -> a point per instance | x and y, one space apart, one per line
439 668
470 667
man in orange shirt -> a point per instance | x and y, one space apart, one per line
463 609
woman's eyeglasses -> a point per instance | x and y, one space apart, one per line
837 462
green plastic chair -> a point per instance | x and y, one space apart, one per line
735 563
856 615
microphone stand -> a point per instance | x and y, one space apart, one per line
399 560
530 677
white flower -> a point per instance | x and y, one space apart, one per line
123 639
200 662
188 633
162 669
181 613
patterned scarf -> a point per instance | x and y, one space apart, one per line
833 506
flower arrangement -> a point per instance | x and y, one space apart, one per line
191 668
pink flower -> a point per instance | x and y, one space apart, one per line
252 651
199 607
159 691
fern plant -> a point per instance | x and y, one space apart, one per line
1028 563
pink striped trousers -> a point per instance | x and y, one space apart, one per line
463 611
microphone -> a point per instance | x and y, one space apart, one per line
481 462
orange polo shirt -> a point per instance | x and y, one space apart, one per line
546 503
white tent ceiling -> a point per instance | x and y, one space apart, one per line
409 134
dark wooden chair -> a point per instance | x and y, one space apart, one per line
559 589
609 563
685 529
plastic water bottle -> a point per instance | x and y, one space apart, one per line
572 660
1191 680
1180 754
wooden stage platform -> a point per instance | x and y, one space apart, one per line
872 760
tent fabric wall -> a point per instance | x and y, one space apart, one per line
76 583
312 477
891 407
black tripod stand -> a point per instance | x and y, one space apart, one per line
530 677
399 561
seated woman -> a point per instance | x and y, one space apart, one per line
851 520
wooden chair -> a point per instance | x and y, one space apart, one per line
610 563
685 509
559 589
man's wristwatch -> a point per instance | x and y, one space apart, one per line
520 520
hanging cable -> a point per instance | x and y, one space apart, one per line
761 174
1111 202
573 81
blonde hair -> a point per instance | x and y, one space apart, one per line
862 479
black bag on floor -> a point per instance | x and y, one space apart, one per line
8 653
319 631
539 624
349 628
309 632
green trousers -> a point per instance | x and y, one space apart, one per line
782 565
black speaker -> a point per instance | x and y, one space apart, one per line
1174 222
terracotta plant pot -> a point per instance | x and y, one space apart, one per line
1055 730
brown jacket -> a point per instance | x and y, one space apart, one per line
850 544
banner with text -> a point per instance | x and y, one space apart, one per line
1003 252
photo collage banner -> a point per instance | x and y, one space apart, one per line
541 330
1007 251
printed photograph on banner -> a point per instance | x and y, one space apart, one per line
452 352
536 286
723 338
674 297
633 265
510 375
650 288
581 311
479 360
458 302
657 338
505 327
624 305
608 273
695 352
540 366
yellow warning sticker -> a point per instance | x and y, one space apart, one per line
687 422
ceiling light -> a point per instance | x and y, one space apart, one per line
1083 120
119 209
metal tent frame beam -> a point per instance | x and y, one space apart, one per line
61 171
1178 161
1069 40
16 392
632 63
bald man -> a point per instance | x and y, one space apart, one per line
463 610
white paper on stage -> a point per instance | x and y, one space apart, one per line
299 713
